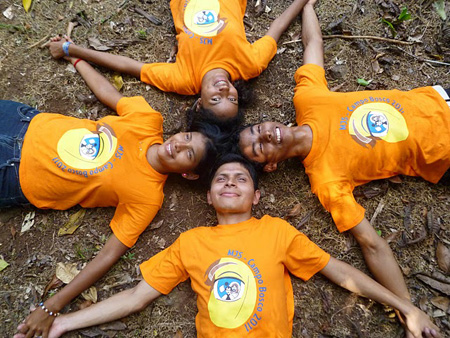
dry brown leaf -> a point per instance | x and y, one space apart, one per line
156 225
178 334
442 303
66 272
73 223
13 232
423 304
114 326
443 257
90 294
393 237
442 287
395 179
295 211
55 282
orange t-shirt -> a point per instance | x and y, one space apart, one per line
68 161
363 136
210 35
240 275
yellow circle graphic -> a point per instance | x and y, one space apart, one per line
379 120
85 149
202 17
233 293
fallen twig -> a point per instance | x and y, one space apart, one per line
153 19
355 37
424 60
37 43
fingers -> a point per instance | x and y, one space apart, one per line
68 38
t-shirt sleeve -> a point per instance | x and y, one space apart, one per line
303 257
165 270
310 75
135 104
264 50
338 199
168 77
130 220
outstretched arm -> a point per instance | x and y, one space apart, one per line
346 276
105 92
118 63
280 24
116 307
39 322
311 36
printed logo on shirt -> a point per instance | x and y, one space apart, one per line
370 122
202 17
233 292
86 149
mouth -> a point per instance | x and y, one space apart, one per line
278 135
220 82
229 194
169 149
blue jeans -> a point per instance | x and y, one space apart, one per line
15 118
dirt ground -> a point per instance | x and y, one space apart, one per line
412 209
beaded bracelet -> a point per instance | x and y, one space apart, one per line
54 314
65 47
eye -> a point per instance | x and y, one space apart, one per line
190 155
259 129
232 99
242 179
220 179
261 147
188 136
215 99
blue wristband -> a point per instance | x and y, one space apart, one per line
65 47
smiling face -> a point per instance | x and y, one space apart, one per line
232 190
266 142
182 152
218 94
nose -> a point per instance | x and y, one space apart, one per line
267 136
230 182
180 146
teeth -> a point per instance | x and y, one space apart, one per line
221 82
278 133
169 149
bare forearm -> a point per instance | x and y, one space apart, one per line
280 24
311 37
116 307
118 63
355 281
100 86
105 259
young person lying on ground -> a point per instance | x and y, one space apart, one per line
348 139
243 287
119 161
213 51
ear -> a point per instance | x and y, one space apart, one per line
208 198
269 167
190 176
198 104
256 197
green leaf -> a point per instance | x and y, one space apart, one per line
404 15
363 82
439 6
390 25
379 232
3 264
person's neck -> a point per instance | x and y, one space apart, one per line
227 218
153 159
302 142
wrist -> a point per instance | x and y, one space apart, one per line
65 47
